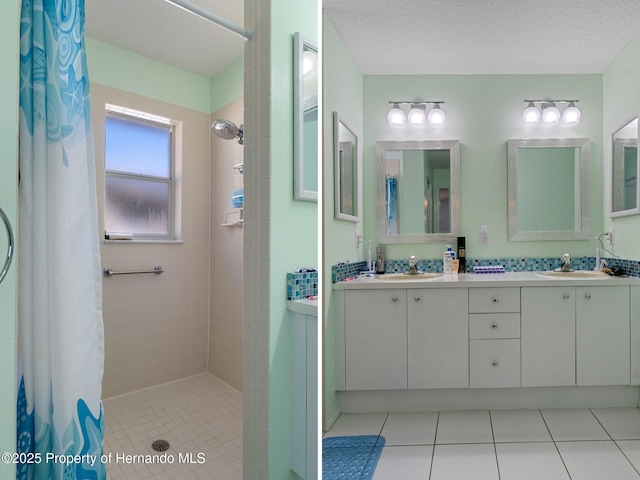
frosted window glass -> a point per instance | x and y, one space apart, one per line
137 206
138 148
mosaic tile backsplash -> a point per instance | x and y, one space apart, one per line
302 285
630 267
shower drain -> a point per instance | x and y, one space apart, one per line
160 445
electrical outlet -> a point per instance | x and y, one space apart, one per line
612 236
358 239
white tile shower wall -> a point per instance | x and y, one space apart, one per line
225 334
156 326
257 162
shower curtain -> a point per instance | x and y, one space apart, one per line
61 354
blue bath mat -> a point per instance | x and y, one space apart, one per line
353 457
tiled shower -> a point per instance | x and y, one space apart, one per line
187 321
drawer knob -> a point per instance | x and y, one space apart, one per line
394 299
565 296
588 296
494 363
494 325
417 299
495 300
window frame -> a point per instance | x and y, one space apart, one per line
173 129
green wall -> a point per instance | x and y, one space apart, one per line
118 68
9 15
483 112
621 102
343 93
293 223
227 86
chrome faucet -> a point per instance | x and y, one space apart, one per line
566 263
413 268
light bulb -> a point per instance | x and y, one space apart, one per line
396 117
436 116
531 114
551 114
416 116
571 115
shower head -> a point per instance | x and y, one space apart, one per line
227 129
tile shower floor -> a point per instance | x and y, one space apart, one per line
554 444
201 418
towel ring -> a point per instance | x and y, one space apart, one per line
7 262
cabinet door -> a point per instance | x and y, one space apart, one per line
494 363
548 336
438 338
376 339
603 336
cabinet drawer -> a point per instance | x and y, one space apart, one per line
494 363
494 325
491 300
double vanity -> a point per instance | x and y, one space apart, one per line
520 329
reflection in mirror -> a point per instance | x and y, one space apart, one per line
305 119
346 171
548 189
624 170
418 191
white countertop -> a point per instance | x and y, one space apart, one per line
509 279
306 306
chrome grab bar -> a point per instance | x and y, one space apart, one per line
110 273
7 262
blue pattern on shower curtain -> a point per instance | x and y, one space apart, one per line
61 338
392 205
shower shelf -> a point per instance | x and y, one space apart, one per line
233 218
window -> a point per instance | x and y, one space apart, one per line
139 175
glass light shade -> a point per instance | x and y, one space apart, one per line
309 62
436 116
416 116
531 115
551 115
396 117
571 115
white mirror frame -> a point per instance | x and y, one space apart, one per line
630 211
337 122
382 236
584 144
300 42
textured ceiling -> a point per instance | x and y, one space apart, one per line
168 34
484 36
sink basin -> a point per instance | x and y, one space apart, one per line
575 274
405 277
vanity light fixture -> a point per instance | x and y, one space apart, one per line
416 116
548 112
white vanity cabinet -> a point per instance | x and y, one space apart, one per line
438 338
575 336
548 336
376 339
487 332
494 345
602 336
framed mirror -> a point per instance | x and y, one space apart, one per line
624 170
305 119
548 189
418 191
345 185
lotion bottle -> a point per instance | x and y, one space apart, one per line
447 258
